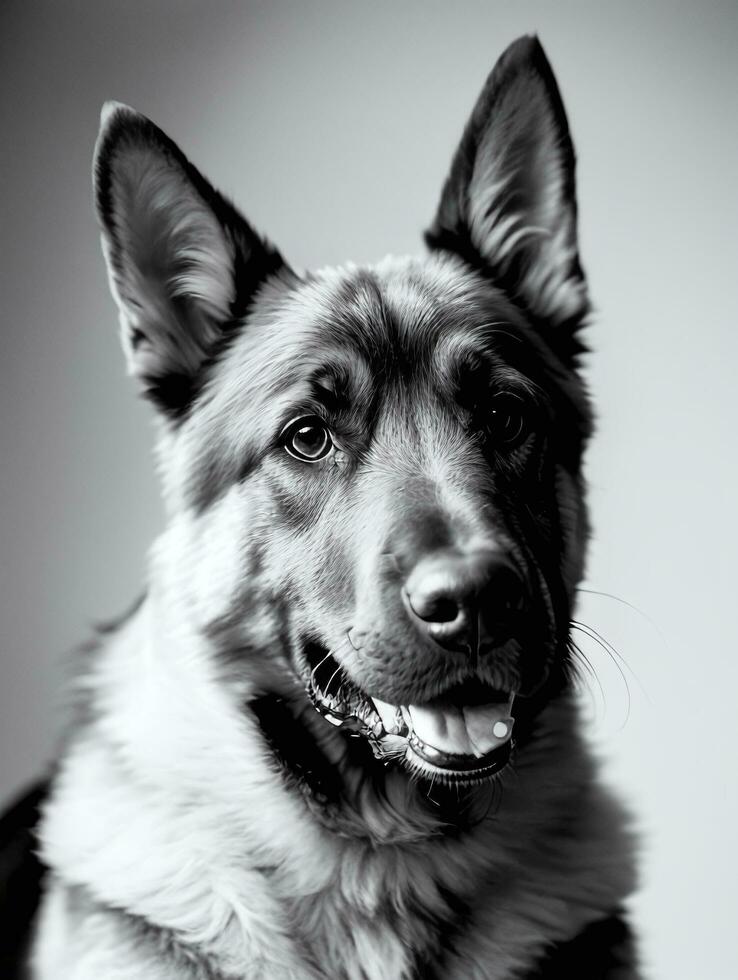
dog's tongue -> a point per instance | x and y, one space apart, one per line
456 730
474 730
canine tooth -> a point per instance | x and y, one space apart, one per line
390 715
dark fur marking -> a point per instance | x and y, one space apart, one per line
21 877
430 966
296 750
296 506
364 315
604 950
171 392
215 480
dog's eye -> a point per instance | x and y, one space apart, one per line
510 423
307 439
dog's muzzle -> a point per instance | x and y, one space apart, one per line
463 736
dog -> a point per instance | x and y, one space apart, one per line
338 736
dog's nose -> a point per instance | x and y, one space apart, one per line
459 600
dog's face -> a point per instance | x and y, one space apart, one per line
373 474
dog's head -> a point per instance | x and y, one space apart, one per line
373 474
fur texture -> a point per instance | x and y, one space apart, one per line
321 438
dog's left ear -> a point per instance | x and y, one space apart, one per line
183 263
508 205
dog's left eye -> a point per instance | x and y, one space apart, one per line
307 439
510 424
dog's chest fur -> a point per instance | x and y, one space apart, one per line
257 886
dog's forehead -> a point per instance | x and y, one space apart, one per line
401 307
406 326
343 329
341 325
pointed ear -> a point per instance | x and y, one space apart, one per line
183 264
509 205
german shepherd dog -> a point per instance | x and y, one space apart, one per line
337 737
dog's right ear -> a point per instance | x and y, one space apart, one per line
183 263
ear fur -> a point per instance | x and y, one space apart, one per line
508 205
183 264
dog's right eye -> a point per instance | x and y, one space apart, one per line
307 439
510 421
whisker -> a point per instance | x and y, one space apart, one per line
317 667
338 670
612 650
614 655
630 605
584 663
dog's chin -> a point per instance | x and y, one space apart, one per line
461 737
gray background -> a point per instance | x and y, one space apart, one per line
332 126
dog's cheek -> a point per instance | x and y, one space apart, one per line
202 560
306 549
331 580
335 569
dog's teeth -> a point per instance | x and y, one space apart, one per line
426 751
391 716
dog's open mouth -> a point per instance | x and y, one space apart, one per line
463 736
